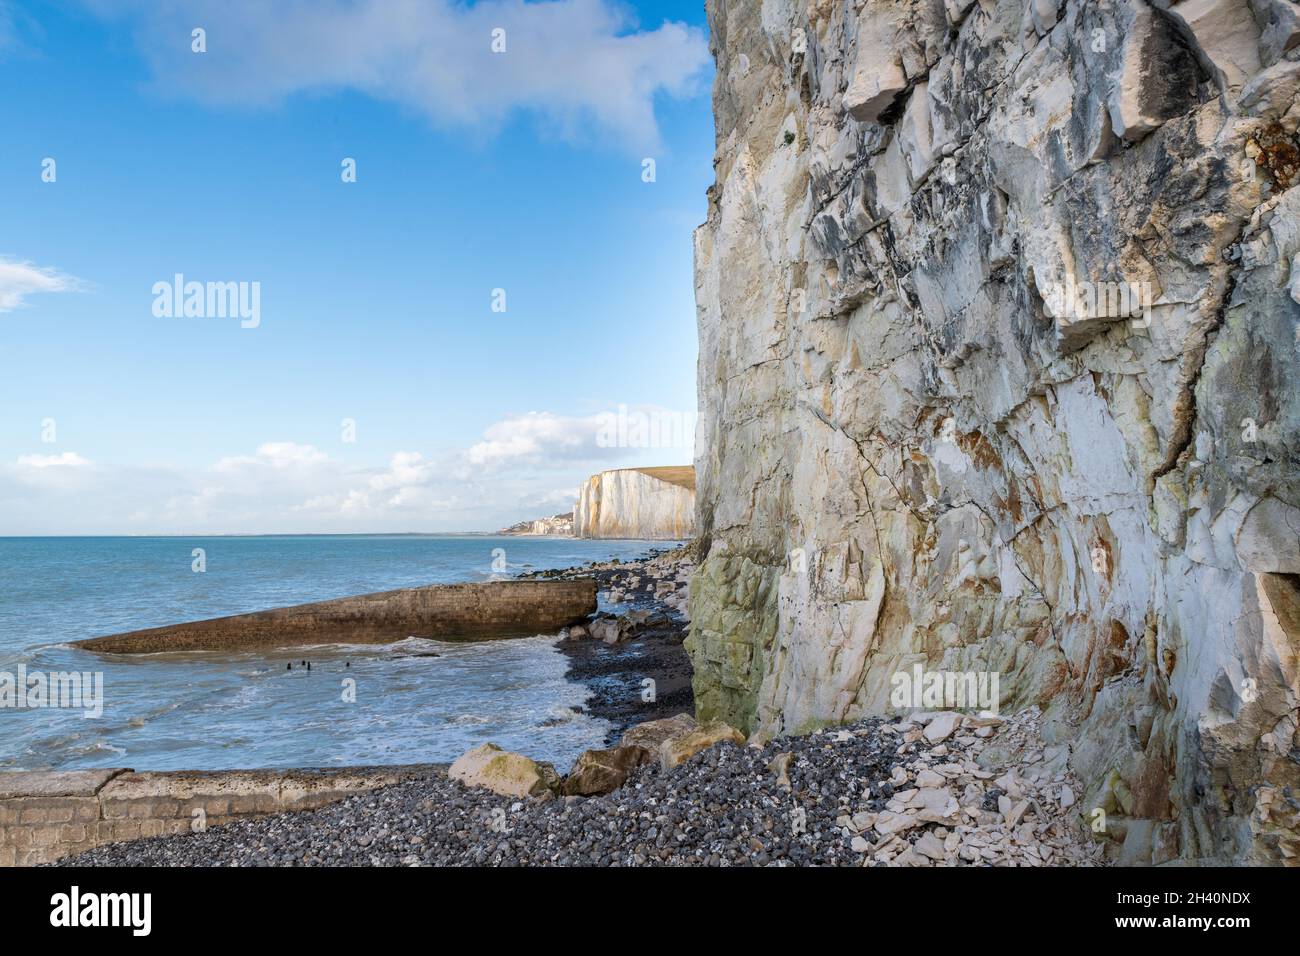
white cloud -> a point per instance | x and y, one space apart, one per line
66 476
277 455
577 63
67 459
404 469
546 503
406 485
537 437
18 280
542 438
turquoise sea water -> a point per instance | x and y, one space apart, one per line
201 711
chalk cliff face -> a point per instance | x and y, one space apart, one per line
998 353
655 503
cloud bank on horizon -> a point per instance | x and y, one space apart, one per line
578 64
527 466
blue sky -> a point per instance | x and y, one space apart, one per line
476 171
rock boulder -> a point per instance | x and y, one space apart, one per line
503 772
600 771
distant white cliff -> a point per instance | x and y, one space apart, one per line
656 503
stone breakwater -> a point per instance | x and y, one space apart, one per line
935 789
937 425
447 611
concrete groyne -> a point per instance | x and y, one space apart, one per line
446 611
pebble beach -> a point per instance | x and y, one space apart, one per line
924 789
861 795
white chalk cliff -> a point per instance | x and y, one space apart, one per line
936 427
652 503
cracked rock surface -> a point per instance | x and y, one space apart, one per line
998 350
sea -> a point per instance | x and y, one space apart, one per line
358 704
